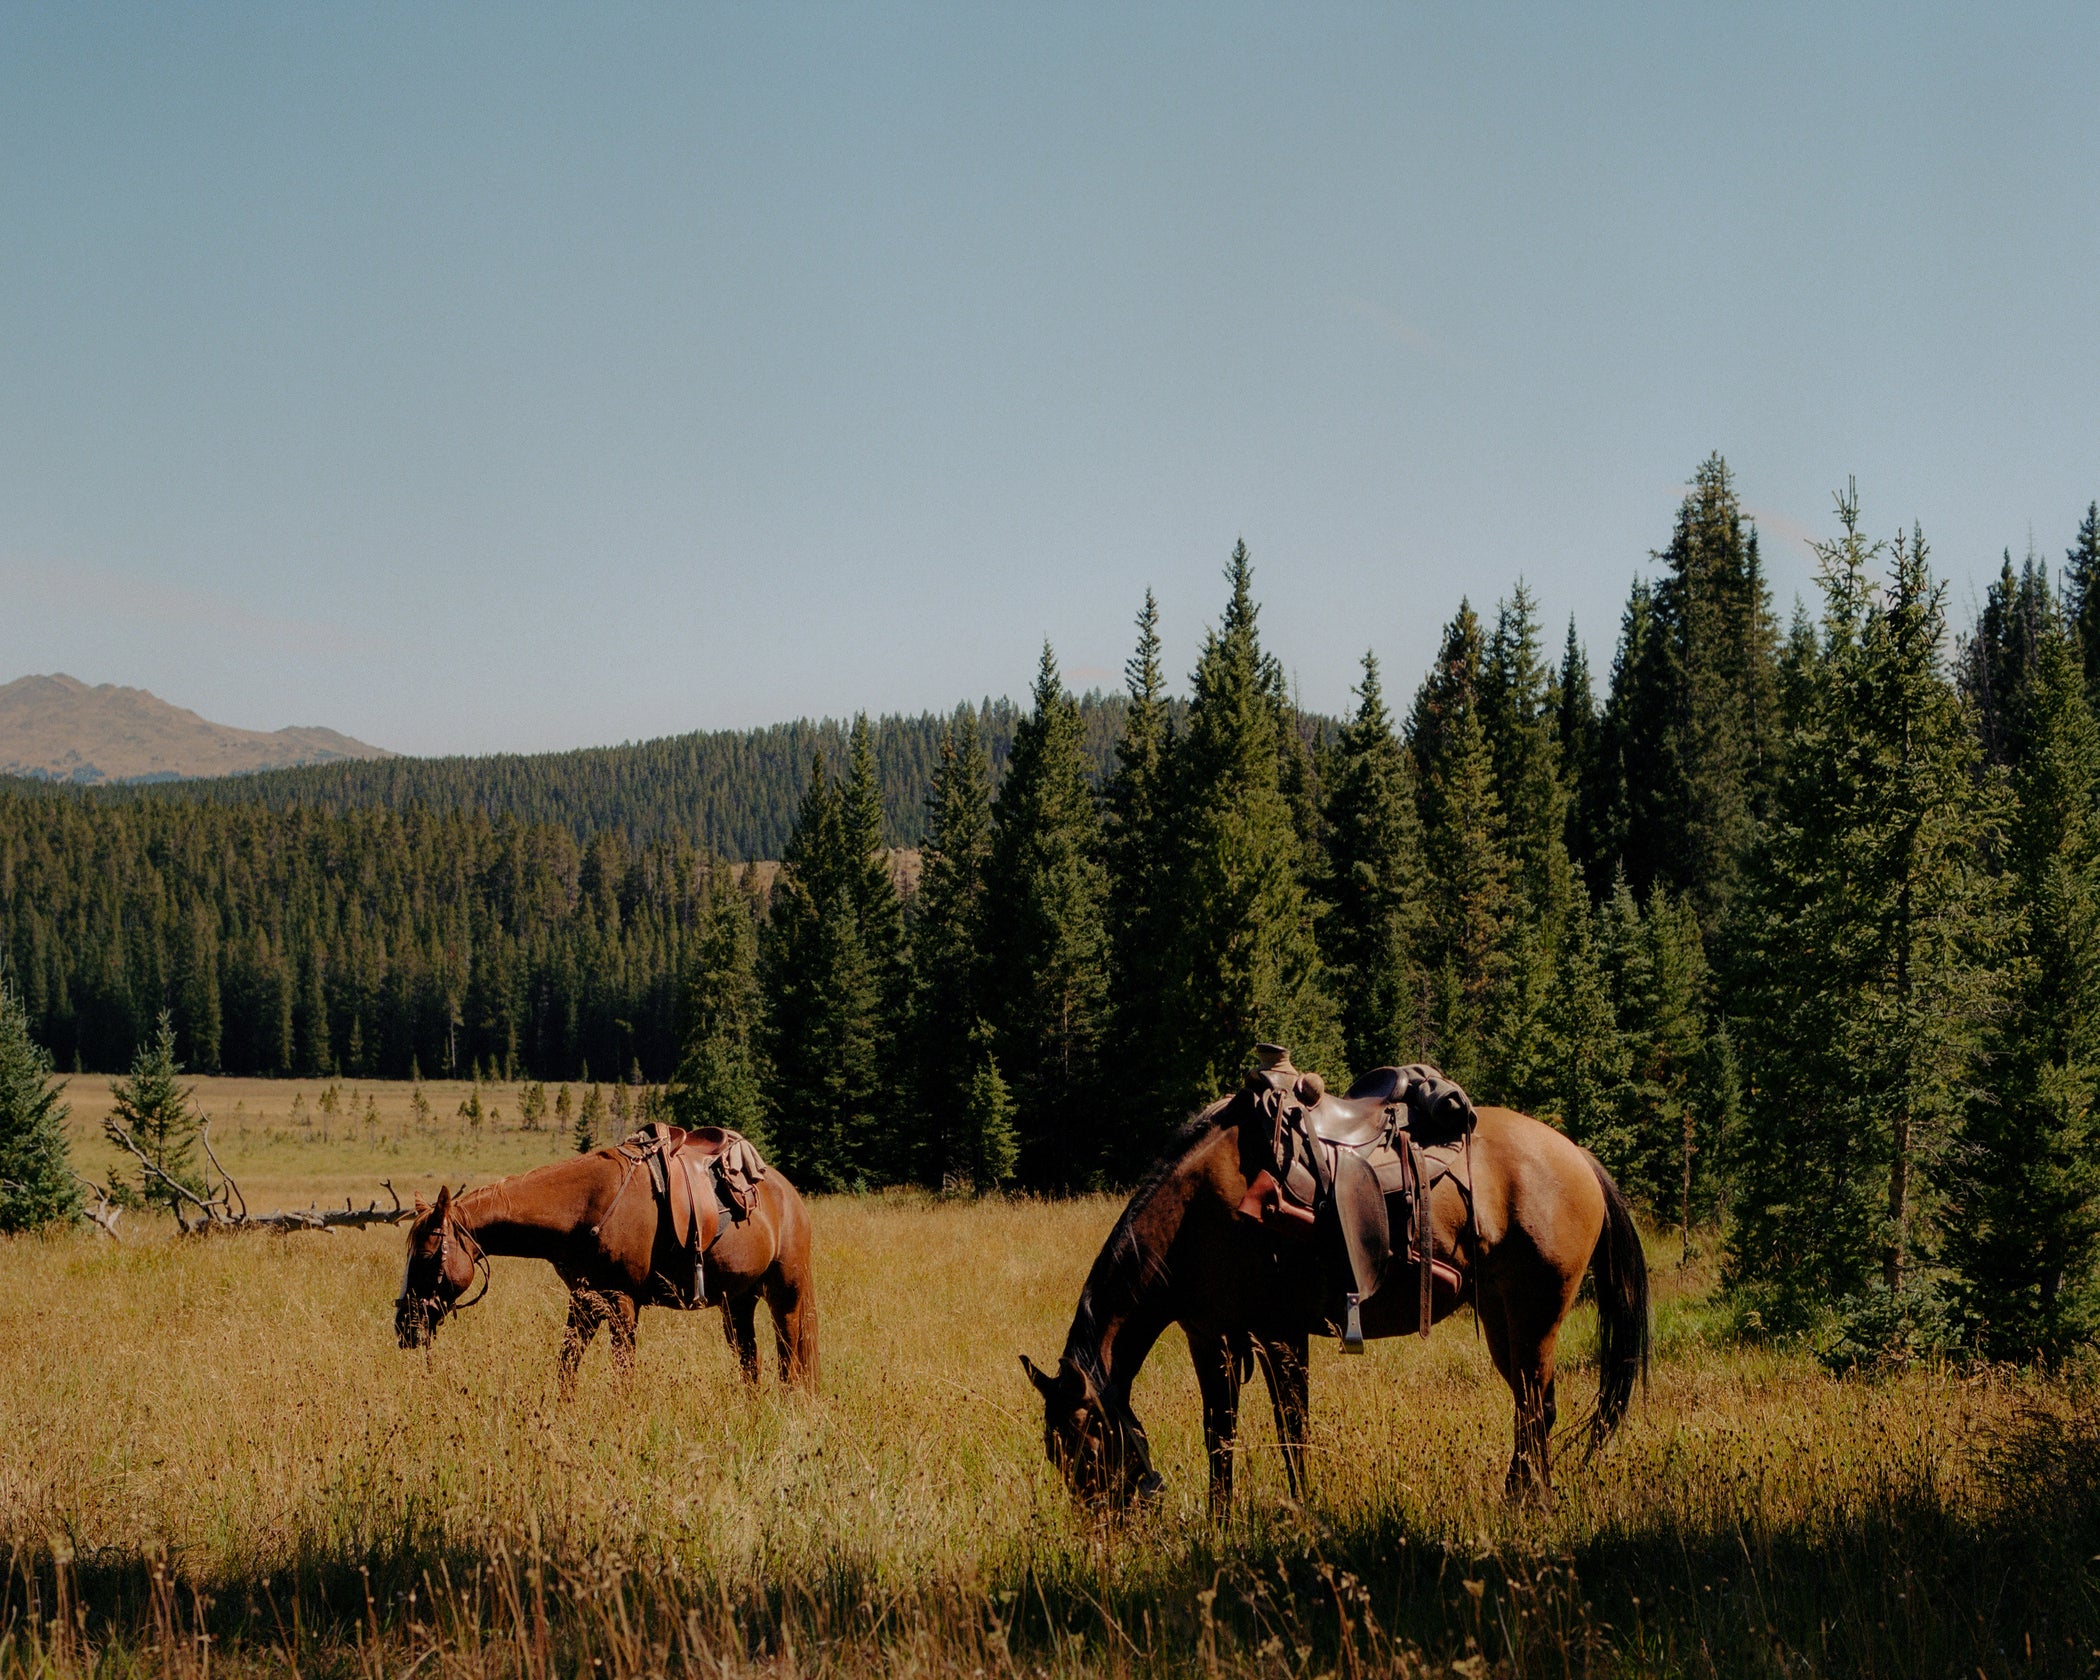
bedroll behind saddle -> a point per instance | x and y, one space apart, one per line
706 1182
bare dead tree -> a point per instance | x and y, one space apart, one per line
224 1208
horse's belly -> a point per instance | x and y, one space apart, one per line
1396 1310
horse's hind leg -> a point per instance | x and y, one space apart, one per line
1218 1377
740 1331
1283 1365
1525 1356
587 1310
794 1305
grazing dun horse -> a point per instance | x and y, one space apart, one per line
1536 1212
596 1221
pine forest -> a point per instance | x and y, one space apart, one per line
1795 924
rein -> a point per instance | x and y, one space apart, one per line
477 1256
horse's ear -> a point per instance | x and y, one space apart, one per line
1043 1383
444 1197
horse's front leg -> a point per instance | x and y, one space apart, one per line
1289 1376
623 1313
586 1313
1218 1376
740 1330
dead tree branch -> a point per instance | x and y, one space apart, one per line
226 1209
104 1213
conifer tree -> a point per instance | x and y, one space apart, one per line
590 1120
1662 1024
950 951
2024 1235
2082 595
1614 813
823 1000
1694 712
1467 871
1137 849
1997 659
719 1081
1047 920
158 1117
1586 1073
1517 713
1861 982
1575 726
1374 888
1247 966
1518 717
874 886
1797 670
36 1187
988 1115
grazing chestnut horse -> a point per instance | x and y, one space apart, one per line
1543 1213
595 1219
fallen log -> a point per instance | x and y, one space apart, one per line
226 1209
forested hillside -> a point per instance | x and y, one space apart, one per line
1798 930
377 943
729 792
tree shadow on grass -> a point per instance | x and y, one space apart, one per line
1906 1586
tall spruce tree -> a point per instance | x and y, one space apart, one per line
152 1111
823 1002
866 865
719 1080
1997 659
1247 965
1517 714
1047 921
1575 727
1374 887
1517 711
1694 707
1620 825
1861 984
1468 893
2024 1232
950 952
1136 822
36 1186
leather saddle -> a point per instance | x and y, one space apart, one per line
1362 1165
706 1180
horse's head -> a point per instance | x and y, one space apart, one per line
1095 1441
442 1259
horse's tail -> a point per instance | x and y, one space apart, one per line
1620 1270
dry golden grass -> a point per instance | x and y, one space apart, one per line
219 1437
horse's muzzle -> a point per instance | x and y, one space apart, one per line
416 1322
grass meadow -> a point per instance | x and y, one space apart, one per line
218 1460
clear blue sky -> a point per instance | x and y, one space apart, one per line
523 377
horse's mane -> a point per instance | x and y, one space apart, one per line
1122 1270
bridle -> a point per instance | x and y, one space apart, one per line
477 1257
436 1307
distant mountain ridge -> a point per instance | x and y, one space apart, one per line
732 793
57 728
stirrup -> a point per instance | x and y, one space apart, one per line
1352 1326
